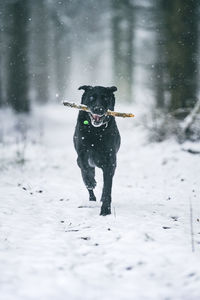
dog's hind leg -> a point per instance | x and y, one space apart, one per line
88 174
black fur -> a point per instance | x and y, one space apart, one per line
98 141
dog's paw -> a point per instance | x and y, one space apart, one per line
91 195
92 198
105 210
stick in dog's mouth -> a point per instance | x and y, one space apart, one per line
108 113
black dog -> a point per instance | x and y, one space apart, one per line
97 140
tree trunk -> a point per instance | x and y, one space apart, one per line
1 68
159 69
122 39
2 11
18 75
62 56
181 49
41 51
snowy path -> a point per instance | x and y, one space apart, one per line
55 246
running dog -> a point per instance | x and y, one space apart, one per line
97 141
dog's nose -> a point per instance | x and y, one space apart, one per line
99 110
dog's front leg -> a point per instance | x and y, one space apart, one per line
108 173
88 174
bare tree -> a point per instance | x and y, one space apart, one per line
122 39
18 75
176 68
40 50
61 21
1 65
181 50
160 59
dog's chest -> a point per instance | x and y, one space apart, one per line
93 141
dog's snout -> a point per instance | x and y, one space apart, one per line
99 110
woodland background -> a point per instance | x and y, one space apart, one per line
53 243
149 49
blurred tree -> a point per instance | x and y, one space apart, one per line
90 32
18 76
160 59
5 37
122 40
1 52
176 68
40 48
181 51
61 17
1 64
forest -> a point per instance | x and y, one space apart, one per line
54 245
48 48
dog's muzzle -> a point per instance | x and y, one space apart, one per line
97 120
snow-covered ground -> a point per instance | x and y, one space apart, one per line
53 243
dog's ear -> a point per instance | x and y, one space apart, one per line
85 87
112 89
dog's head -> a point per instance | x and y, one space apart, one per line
98 99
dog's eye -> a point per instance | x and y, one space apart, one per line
91 98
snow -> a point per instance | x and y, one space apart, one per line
53 243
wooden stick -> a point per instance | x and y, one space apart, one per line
108 113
